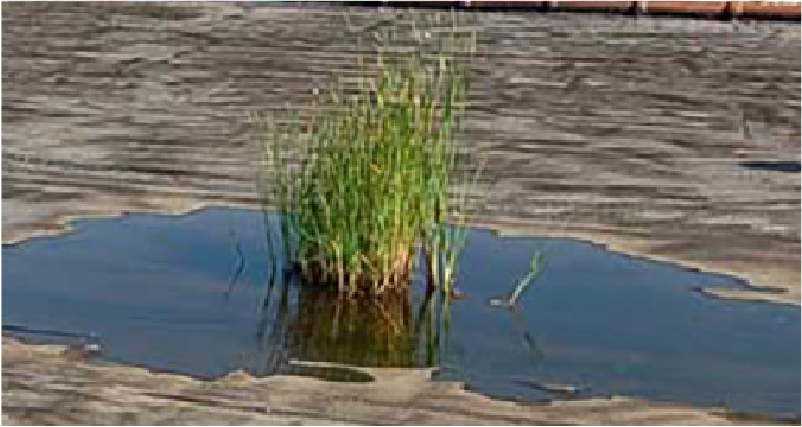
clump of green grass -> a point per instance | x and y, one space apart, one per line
369 179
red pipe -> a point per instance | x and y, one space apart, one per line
695 8
732 9
709 8
612 5
752 10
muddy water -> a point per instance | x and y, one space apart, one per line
190 294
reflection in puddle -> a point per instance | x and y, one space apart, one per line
790 166
191 295
300 322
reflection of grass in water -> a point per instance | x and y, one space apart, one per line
353 330
367 332
310 324
369 178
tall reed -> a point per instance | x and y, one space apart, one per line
369 179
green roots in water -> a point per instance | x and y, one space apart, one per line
372 177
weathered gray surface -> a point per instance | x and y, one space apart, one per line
41 386
619 131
